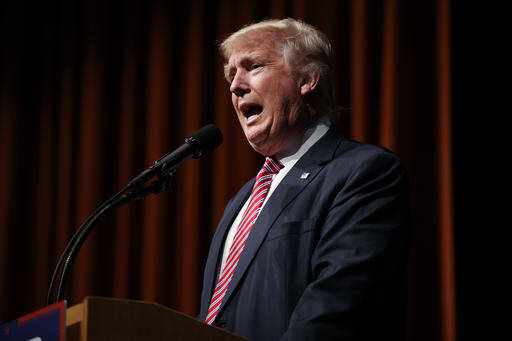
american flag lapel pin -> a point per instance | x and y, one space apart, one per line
304 176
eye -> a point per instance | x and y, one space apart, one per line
256 66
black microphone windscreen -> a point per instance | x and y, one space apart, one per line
205 140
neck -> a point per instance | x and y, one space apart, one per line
294 144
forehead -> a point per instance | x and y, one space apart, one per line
256 44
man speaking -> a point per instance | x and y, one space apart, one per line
315 246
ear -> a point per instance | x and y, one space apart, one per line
309 82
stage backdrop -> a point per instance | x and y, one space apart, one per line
93 92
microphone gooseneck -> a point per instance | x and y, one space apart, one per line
196 145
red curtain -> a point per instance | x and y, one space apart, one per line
93 92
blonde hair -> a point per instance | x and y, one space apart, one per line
305 49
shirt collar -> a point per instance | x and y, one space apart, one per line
301 144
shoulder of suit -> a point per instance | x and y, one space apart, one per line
358 154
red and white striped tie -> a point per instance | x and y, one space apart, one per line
259 192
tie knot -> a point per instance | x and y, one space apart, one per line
271 166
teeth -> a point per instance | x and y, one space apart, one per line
251 118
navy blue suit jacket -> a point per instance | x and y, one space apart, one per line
327 256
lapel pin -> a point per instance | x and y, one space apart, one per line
304 175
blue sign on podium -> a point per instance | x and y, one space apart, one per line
47 324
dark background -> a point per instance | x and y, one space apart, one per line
93 92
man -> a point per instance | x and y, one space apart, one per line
316 247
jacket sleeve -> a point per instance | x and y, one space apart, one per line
359 263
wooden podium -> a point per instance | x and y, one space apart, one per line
97 319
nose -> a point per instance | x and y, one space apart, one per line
239 85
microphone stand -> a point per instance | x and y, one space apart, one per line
73 247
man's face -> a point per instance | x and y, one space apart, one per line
265 95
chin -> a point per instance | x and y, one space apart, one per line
256 138
266 148
259 145
262 151
262 141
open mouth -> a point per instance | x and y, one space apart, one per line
251 110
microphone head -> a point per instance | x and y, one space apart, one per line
204 140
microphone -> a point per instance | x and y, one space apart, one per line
196 145
199 143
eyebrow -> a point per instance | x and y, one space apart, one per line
251 57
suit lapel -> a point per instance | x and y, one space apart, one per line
292 184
